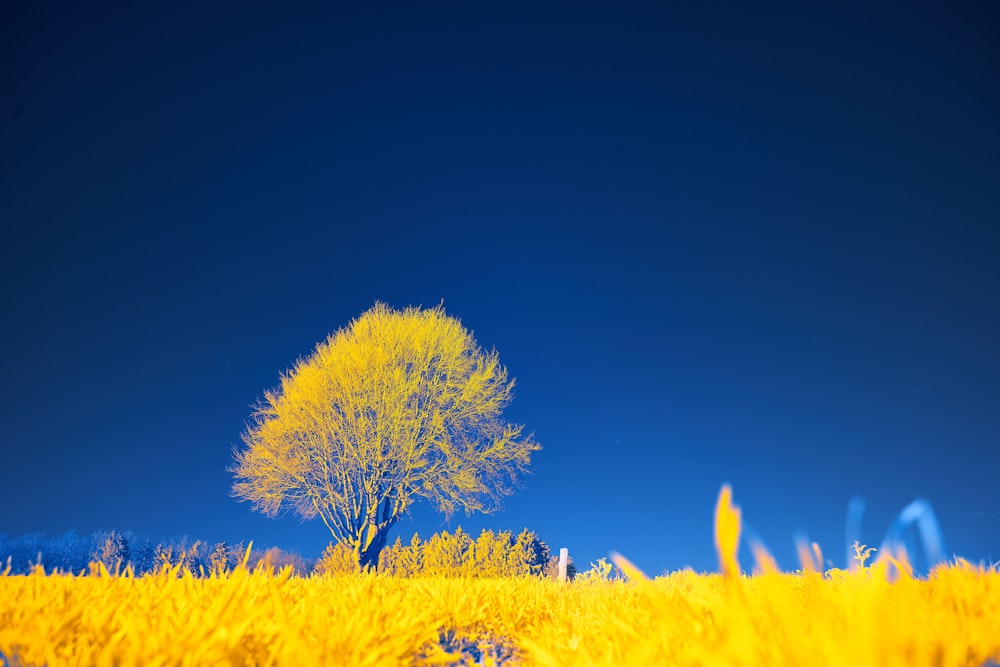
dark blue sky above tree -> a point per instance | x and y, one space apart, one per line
712 242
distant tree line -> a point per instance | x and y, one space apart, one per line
73 553
492 554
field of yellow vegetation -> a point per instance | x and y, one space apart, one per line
875 615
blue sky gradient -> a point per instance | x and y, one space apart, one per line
713 243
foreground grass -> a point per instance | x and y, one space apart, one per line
876 615
261 618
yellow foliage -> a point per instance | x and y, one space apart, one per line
491 555
395 407
336 559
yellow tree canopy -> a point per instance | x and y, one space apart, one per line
397 406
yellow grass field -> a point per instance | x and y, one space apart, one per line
877 615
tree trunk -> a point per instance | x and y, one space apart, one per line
368 558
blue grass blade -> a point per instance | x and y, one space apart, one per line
920 515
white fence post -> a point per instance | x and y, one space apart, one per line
563 561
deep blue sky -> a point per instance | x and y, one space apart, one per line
712 242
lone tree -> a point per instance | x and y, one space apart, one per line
395 407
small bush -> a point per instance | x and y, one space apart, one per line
112 550
599 571
337 559
275 559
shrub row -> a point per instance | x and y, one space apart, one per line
491 555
